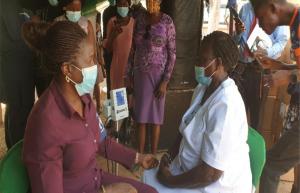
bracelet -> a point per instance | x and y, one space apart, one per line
103 189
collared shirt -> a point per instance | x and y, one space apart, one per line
279 37
60 147
216 134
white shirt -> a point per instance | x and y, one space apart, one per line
215 133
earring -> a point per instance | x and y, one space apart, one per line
67 79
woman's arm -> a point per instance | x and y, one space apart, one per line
200 176
113 30
171 49
114 151
44 162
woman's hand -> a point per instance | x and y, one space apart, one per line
116 30
119 188
240 27
164 174
147 161
161 90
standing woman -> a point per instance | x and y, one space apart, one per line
151 67
118 42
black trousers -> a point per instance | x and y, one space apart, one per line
18 81
251 78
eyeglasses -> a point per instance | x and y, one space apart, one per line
147 33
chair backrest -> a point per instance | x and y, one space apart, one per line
257 154
13 174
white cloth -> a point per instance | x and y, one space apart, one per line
215 133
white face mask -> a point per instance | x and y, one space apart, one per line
73 16
87 85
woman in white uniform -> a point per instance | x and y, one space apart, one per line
211 154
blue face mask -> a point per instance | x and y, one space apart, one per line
200 75
123 11
112 2
73 16
89 80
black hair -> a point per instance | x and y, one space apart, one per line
63 3
258 3
58 43
225 48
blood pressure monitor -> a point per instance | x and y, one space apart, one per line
119 105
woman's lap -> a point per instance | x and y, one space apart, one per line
108 178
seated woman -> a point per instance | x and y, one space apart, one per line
62 137
211 154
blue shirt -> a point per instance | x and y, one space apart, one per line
279 37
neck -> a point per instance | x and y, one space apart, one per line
68 91
218 79
287 13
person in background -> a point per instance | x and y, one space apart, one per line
119 42
149 70
252 75
62 135
100 59
17 71
72 10
137 9
108 13
285 154
211 154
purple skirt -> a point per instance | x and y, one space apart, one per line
147 108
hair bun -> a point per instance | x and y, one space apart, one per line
34 34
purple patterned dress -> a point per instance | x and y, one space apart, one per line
152 61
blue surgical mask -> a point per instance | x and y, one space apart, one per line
200 75
73 16
112 2
123 11
89 80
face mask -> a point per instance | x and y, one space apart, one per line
123 11
53 2
200 75
73 16
112 2
89 79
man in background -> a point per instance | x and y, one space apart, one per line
252 73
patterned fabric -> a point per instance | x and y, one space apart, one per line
292 119
158 51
